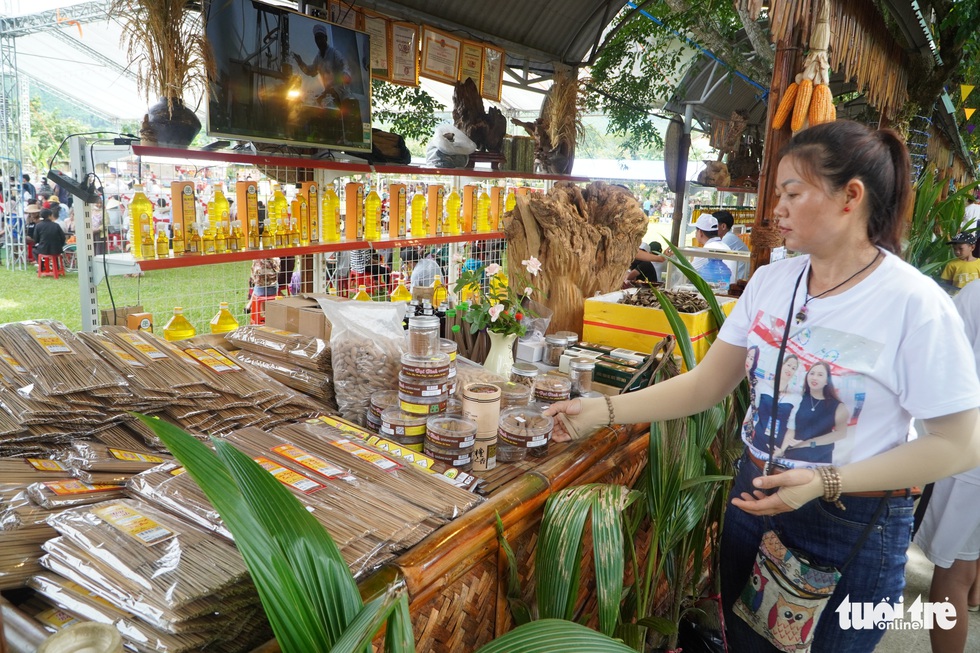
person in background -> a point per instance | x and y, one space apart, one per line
706 233
44 188
898 347
30 193
329 66
971 215
965 268
950 531
725 223
49 238
645 264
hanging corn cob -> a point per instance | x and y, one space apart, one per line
809 96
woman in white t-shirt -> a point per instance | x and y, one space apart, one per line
893 343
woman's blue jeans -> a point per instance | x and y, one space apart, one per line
828 535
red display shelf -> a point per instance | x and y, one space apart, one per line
337 166
250 255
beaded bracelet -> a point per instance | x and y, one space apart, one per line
609 406
831 485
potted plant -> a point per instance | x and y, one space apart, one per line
164 39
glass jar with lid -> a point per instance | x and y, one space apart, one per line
523 373
580 371
554 347
423 335
571 338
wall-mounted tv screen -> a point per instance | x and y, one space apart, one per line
284 77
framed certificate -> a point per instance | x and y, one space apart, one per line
379 29
345 14
440 55
493 73
471 62
404 54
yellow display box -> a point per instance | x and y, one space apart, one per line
607 322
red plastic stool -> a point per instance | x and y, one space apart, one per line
256 307
50 265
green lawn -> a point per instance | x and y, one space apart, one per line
23 296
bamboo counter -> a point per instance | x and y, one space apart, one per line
456 577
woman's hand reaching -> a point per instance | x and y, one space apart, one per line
577 419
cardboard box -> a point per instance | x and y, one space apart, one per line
247 200
437 195
312 322
397 210
606 322
312 192
471 194
121 316
353 220
283 313
140 322
183 211
498 195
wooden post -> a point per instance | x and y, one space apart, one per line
788 63
680 196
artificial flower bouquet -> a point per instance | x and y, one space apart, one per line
493 303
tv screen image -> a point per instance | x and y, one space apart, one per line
283 77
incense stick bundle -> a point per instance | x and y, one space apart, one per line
19 560
174 560
163 372
305 351
19 513
21 471
59 362
312 383
63 494
96 457
128 436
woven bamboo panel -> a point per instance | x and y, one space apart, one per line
462 617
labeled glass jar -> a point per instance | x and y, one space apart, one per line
551 388
381 400
407 429
450 432
508 453
422 396
524 426
580 371
554 347
513 394
425 367
423 335
523 373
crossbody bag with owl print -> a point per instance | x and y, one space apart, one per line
786 592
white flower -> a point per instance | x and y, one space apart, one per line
458 258
528 291
492 269
495 312
532 265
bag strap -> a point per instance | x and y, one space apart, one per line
774 419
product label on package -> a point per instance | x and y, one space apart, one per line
50 341
278 332
224 360
142 346
288 477
46 465
375 459
123 355
56 618
70 487
133 524
12 362
122 454
311 462
205 358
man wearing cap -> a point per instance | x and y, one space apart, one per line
329 65
725 223
706 233
965 268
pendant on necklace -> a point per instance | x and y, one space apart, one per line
801 315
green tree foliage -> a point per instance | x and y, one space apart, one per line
406 110
48 129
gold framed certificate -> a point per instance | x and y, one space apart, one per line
378 28
345 15
404 54
440 55
493 73
471 62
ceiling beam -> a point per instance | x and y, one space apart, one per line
43 21
92 53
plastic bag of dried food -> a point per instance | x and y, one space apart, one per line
366 343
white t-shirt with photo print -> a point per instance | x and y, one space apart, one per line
894 345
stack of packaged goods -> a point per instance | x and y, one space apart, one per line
168 582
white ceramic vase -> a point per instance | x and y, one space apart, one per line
500 358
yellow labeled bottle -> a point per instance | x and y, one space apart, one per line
178 239
279 232
237 235
207 242
362 294
220 241
146 243
452 214
222 208
277 206
213 219
483 213
140 214
163 243
223 321
178 328
268 233
372 216
332 290
401 293
439 292
293 239
419 219
510 201
194 241
330 215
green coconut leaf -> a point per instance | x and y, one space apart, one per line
519 609
554 636
677 326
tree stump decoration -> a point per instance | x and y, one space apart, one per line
486 128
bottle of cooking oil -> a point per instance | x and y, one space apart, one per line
223 321
330 216
439 292
220 240
372 216
178 239
277 207
293 239
452 214
483 213
362 294
140 214
236 242
221 207
147 248
419 219
178 328
163 243
194 240
208 246
401 293
268 234
510 200
213 218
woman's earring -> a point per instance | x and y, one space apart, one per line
847 209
